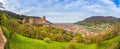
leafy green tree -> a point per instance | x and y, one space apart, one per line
3 18
12 25
58 37
108 35
116 30
98 39
48 40
72 46
67 37
79 38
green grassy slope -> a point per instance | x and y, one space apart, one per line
21 42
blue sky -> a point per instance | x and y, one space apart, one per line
61 11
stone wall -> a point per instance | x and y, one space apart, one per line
35 20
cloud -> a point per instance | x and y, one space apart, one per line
24 11
111 5
95 8
66 17
63 10
1 0
12 5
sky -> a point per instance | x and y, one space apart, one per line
64 11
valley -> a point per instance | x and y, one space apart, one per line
59 24
35 33
85 30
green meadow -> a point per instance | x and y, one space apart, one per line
21 42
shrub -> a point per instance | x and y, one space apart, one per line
79 38
99 40
48 40
72 46
88 39
116 30
59 38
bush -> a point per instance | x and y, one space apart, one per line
79 38
72 46
88 39
58 38
116 30
48 40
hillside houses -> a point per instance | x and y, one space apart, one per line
86 30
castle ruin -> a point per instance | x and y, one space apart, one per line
35 20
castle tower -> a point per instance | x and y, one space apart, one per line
31 20
44 19
23 21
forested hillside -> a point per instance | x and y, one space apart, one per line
99 20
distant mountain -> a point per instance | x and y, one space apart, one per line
102 18
118 19
98 20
